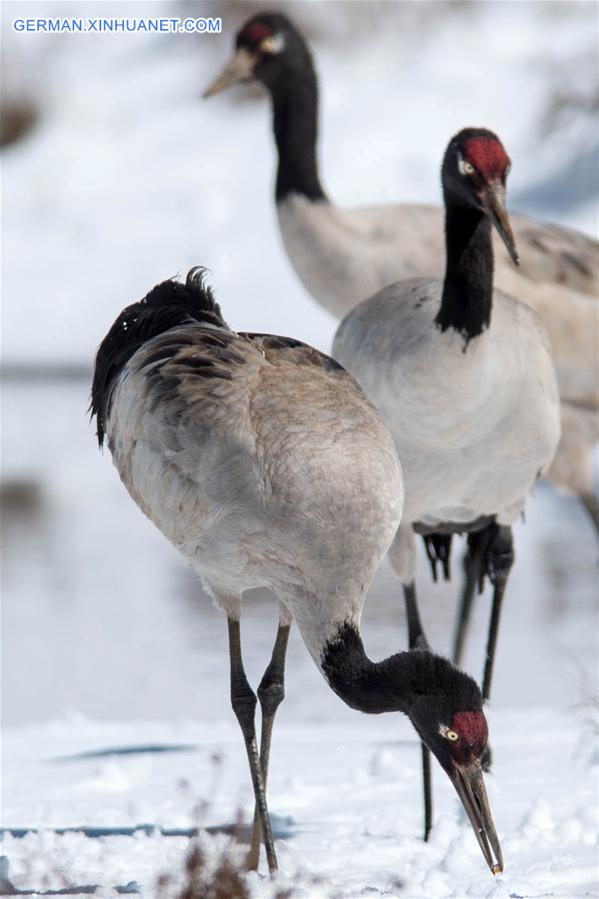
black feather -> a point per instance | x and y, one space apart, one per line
166 306
415 682
438 550
290 78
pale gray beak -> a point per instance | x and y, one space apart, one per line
470 787
240 68
493 200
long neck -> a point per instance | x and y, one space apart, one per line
468 286
367 686
295 113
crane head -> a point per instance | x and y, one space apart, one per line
474 173
452 724
268 48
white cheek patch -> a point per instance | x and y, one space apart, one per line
462 171
443 730
273 44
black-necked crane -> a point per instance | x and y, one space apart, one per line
265 465
343 256
463 377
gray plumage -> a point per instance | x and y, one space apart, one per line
474 426
344 256
265 464
271 469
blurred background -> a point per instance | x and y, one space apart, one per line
116 176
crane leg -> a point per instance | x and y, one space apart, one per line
417 640
500 561
271 693
416 636
243 701
591 504
478 544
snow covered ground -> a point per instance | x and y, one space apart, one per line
108 642
346 796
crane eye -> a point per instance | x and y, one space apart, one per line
452 735
465 167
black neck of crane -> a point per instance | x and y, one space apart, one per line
295 124
468 286
373 687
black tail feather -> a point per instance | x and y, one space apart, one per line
166 306
438 550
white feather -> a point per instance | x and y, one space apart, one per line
474 425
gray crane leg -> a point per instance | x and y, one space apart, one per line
243 700
271 693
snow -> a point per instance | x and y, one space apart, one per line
130 178
347 793
109 642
